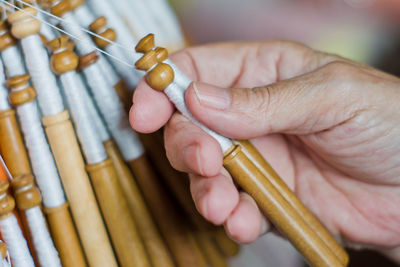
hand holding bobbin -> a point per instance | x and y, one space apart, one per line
269 192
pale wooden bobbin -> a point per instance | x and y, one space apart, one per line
119 220
65 147
60 221
11 144
28 200
247 175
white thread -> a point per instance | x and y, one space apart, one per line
113 113
45 30
138 25
65 32
16 243
166 19
42 161
46 252
85 46
90 141
114 20
13 61
94 113
84 15
4 105
176 95
44 82
143 20
131 76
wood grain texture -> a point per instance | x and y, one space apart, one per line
12 147
179 240
213 256
258 160
64 236
155 245
178 184
278 210
117 215
77 187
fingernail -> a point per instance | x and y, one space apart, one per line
211 96
192 158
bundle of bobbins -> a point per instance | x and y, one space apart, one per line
109 195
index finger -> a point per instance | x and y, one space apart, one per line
225 65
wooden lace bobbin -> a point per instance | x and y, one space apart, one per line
63 142
116 120
156 248
17 246
110 196
11 144
270 201
180 241
252 153
28 200
99 26
158 252
181 189
62 228
85 45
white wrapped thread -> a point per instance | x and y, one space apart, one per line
45 250
45 29
140 25
4 105
84 45
176 95
44 82
91 143
16 243
13 61
114 20
93 111
167 21
146 18
108 71
131 76
113 113
84 16
42 161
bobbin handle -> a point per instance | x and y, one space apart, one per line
12 146
278 210
156 248
77 187
257 159
120 224
64 236
182 245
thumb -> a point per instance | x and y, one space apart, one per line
302 105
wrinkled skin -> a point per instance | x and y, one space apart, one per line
330 127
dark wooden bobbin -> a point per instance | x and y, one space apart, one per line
26 194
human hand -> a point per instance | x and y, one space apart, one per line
327 125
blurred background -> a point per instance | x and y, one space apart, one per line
363 30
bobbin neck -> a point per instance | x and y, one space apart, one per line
7 203
26 194
6 39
